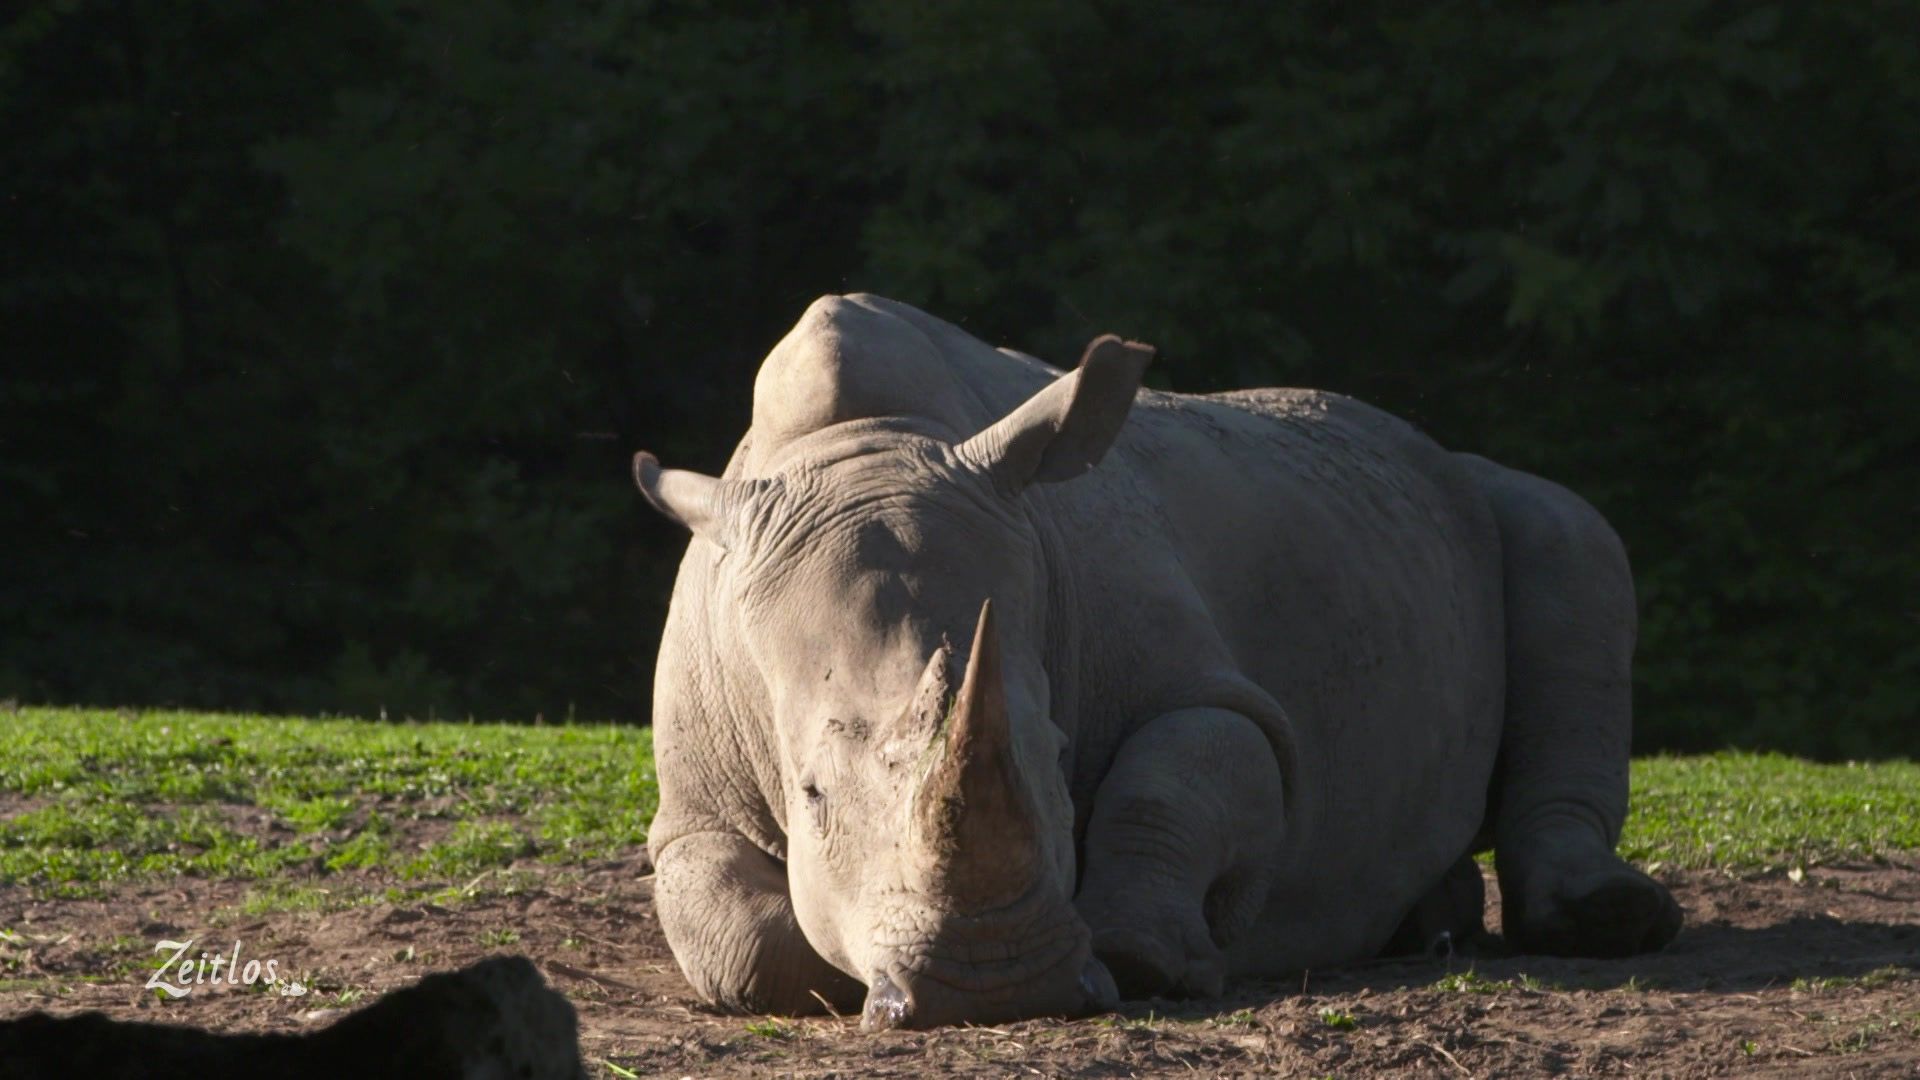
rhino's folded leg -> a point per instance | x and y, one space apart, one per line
724 907
1179 850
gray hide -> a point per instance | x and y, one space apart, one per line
954 723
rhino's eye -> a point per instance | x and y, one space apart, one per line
816 803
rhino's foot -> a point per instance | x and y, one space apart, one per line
1606 910
1180 849
1170 958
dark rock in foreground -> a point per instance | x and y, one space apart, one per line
495 1019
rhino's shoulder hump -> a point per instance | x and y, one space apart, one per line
859 357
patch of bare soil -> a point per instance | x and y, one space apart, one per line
1772 977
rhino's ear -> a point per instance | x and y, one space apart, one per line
1065 429
706 506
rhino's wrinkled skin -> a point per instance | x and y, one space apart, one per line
1242 697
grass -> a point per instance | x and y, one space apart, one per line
1472 982
75 842
1339 1020
1149 1022
310 809
768 1028
1753 812
96 797
1865 1035
1879 976
278 896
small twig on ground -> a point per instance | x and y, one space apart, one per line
828 1005
576 973
1451 1060
600 941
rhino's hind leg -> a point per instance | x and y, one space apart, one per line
1560 789
724 907
1179 850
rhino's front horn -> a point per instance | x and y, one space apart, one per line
971 814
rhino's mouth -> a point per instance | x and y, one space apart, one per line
1030 958
1079 985
988 950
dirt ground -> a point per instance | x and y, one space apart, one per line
1772 977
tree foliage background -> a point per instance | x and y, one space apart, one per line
328 329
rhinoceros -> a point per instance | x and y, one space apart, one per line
954 727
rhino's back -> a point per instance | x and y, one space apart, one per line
1343 563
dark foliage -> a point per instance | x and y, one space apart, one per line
329 328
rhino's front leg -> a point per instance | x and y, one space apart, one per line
1179 850
724 907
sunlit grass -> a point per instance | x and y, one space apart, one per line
1752 812
93 797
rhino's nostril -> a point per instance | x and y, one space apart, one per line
888 1006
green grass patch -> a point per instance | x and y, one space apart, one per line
769 1029
1339 1019
473 847
278 896
1879 976
315 815
1752 812
93 841
1472 982
368 848
108 796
